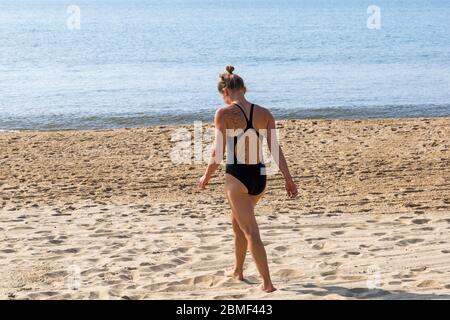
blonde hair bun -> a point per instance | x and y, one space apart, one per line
229 69
229 80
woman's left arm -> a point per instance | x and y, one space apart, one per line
218 149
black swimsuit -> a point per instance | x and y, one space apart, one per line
250 175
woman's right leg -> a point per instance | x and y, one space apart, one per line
240 250
242 206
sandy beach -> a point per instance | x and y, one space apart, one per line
110 209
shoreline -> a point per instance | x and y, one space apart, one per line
141 120
210 122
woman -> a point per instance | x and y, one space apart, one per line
245 180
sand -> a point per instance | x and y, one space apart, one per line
107 215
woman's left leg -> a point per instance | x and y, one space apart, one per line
240 244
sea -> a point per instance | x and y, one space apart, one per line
99 64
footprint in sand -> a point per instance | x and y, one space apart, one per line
180 250
326 264
419 269
315 239
55 241
318 246
289 273
281 248
229 297
427 284
420 221
209 248
206 281
327 253
162 267
403 275
406 242
181 260
394 238
328 273
427 228
8 251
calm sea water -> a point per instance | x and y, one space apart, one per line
138 63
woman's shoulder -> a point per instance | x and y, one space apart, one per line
222 114
222 110
263 111
225 110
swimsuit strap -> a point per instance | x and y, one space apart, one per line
251 116
243 112
250 125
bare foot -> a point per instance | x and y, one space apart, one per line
239 275
268 288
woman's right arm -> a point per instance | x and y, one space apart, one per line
280 160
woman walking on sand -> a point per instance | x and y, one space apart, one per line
245 179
